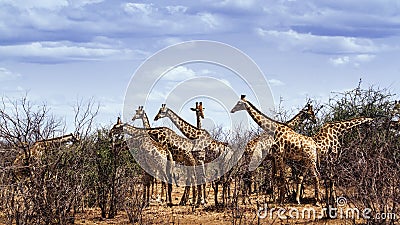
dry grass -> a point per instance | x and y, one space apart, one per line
158 213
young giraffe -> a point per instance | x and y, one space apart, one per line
259 147
287 145
141 115
37 150
149 153
180 148
207 148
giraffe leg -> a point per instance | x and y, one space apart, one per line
163 187
204 193
194 187
315 174
170 176
298 191
246 186
185 196
186 193
215 187
201 182
169 192
281 166
152 193
146 189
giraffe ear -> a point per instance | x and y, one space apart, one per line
193 109
242 97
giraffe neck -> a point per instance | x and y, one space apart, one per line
133 131
145 120
198 121
261 119
186 128
296 120
61 139
341 127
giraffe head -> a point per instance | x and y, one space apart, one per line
162 112
117 128
396 107
139 114
308 113
199 109
74 138
240 105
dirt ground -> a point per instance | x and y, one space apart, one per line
160 213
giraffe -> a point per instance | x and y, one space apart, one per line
207 148
180 148
199 110
120 145
147 153
259 147
141 114
327 139
36 151
287 144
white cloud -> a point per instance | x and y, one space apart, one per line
81 3
167 42
354 60
209 19
38 4
146 9
275 82
53 52
307 42
364 57
179 73
6 74
340 60
238 3
176 9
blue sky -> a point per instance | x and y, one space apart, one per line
63 50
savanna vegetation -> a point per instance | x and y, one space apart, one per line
95 172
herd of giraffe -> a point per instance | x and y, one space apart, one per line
163 150
279 141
